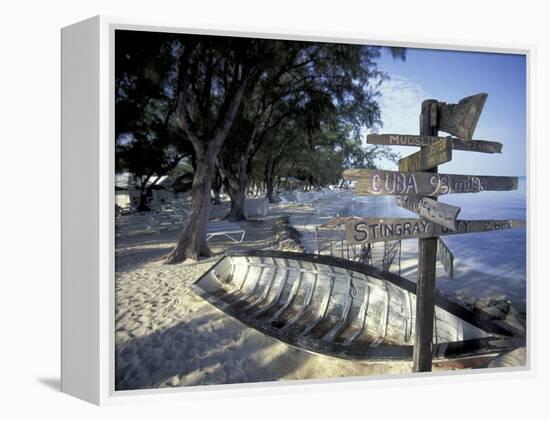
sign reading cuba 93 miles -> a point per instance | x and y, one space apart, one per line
380 182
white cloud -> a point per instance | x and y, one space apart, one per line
400 105
400 102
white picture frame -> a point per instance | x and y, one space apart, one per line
88 213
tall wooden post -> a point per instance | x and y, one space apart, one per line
427 250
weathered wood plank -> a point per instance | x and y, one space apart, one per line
460 119
437 212
427 249
430 156
371 230
483 146
446 257
379 182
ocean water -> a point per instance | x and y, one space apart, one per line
497 258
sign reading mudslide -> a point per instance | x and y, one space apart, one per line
483 146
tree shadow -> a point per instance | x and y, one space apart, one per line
133 259
211 349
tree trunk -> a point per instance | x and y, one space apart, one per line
268 178
269 189
143 205
217 184
192 241
237 191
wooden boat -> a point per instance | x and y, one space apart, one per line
332 306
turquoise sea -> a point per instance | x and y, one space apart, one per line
493 262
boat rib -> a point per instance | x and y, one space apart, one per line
232 293
323 309
265 293
305 306
362 316
252 290
409 326
290 299
384 318
273 302
329 337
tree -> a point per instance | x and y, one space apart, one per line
180 95
213 74
149 142
320 84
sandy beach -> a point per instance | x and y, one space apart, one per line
167 336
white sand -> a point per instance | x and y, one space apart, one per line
167 336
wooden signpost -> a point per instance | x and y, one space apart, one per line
417 178
483 146
437 212
380 182
428 157
446 257
371 230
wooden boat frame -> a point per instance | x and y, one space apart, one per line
499 339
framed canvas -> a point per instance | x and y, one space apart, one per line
247 210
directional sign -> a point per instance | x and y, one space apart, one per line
430 156
386 229
460 119
483 146
446 257
378 182
437 212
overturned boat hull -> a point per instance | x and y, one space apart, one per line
335 307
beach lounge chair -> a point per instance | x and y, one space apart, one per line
225 229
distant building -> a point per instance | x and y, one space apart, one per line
127 191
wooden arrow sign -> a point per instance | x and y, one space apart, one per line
430 156
437 212
386 229
379 182
483 146
446 257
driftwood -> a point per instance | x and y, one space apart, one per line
483 146
378 182
385 229
430 156
437 212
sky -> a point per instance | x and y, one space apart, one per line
450 76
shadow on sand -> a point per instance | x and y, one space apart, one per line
184 355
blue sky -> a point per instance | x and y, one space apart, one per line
449 76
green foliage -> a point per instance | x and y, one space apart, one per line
149 140
304 109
